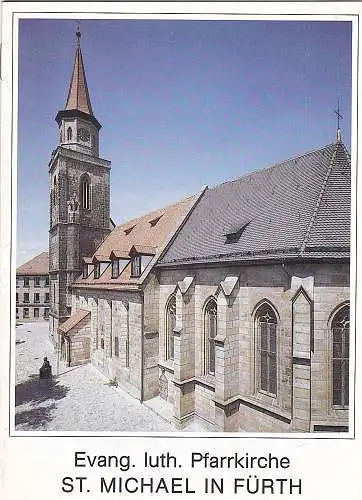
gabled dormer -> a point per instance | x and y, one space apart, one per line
141 256
119 261
100 264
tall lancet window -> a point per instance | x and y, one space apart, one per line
69 133
210 332
266 341
340 357
85 192
170 326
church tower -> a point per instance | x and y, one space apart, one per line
79 193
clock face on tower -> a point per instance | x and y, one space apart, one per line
83 135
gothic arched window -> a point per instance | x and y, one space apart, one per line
340 357
266 342
85 192
210 332
69 133
170 326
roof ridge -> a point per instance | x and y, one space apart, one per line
275 165
319 199
148 214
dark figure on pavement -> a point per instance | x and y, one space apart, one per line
45 370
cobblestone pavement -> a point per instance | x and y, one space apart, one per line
79 400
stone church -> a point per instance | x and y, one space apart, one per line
231 306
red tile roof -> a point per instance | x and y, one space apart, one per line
37 266
146 238
73 321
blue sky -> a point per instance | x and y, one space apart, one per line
182 104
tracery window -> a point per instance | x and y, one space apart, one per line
170 326
210 332
340 357
85 193
266 331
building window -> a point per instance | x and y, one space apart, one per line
46 297
340 357
46 313
210 331
170 326
115 268
17 298
266 341
17 313
26 281
36 312
69 133
47 281
37 282
85 270
36 297
136 266
102 343
97 270
26 298
85 193
17 282
116 346
26 312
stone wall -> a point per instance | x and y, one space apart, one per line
115 315
303 297
80 337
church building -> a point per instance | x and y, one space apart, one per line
230 306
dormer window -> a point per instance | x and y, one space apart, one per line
128 229
154 221
234 236
136 266
97 270
115 268
85 270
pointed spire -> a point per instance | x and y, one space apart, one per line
78 95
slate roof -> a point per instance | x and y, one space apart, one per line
140 235
298 208
37 266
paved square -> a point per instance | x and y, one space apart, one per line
78 400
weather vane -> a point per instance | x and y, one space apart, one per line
78 33
339 116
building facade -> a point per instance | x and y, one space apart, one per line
32 289
230 307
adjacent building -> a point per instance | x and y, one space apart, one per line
230 306
32 289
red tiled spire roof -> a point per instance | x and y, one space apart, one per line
78 95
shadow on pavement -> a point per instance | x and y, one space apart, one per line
35 418
37 391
